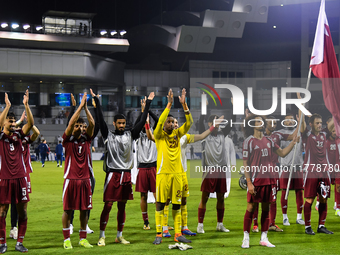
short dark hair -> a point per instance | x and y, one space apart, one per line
212 117
313 117
170 116
10 115
249 130
80 120
119 116
329 117
271 117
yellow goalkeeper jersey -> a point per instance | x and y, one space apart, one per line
169 146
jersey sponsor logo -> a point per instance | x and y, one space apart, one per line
24 198
245 154
314 137
333 147
256 147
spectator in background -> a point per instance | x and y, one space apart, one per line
59 153
192 153
43 149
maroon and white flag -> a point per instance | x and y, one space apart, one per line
325 66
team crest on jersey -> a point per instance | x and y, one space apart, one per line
321 137
268 144
175 137
15 138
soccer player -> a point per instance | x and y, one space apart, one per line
317 179
92 179
147 166
257 162
59 154
77 193
187 138
43 149
13 172
331 144
279 138
169 166
214 148
118 162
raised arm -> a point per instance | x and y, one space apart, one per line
159 128
283 152
96 121
139 126
102 124
208 131
21 120
188 117
90 119
75 117
73 108
148 130
30 121
35 134
4 113
303 123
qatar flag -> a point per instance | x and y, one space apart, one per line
325 66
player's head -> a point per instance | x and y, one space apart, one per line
211 119
289 121
60 142
329 118
315 121
44 141
333 133
78 127
271 123
169 124
10 123
119 121
256 122
176 125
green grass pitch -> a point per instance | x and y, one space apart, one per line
44 231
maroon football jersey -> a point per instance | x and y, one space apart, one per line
331 151
77 154
315 151
12 164
26 152
259 154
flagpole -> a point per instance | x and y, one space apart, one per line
295 146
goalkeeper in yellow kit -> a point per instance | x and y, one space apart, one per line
169 166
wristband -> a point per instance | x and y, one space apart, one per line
211 128
147 126
186 110
18 122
